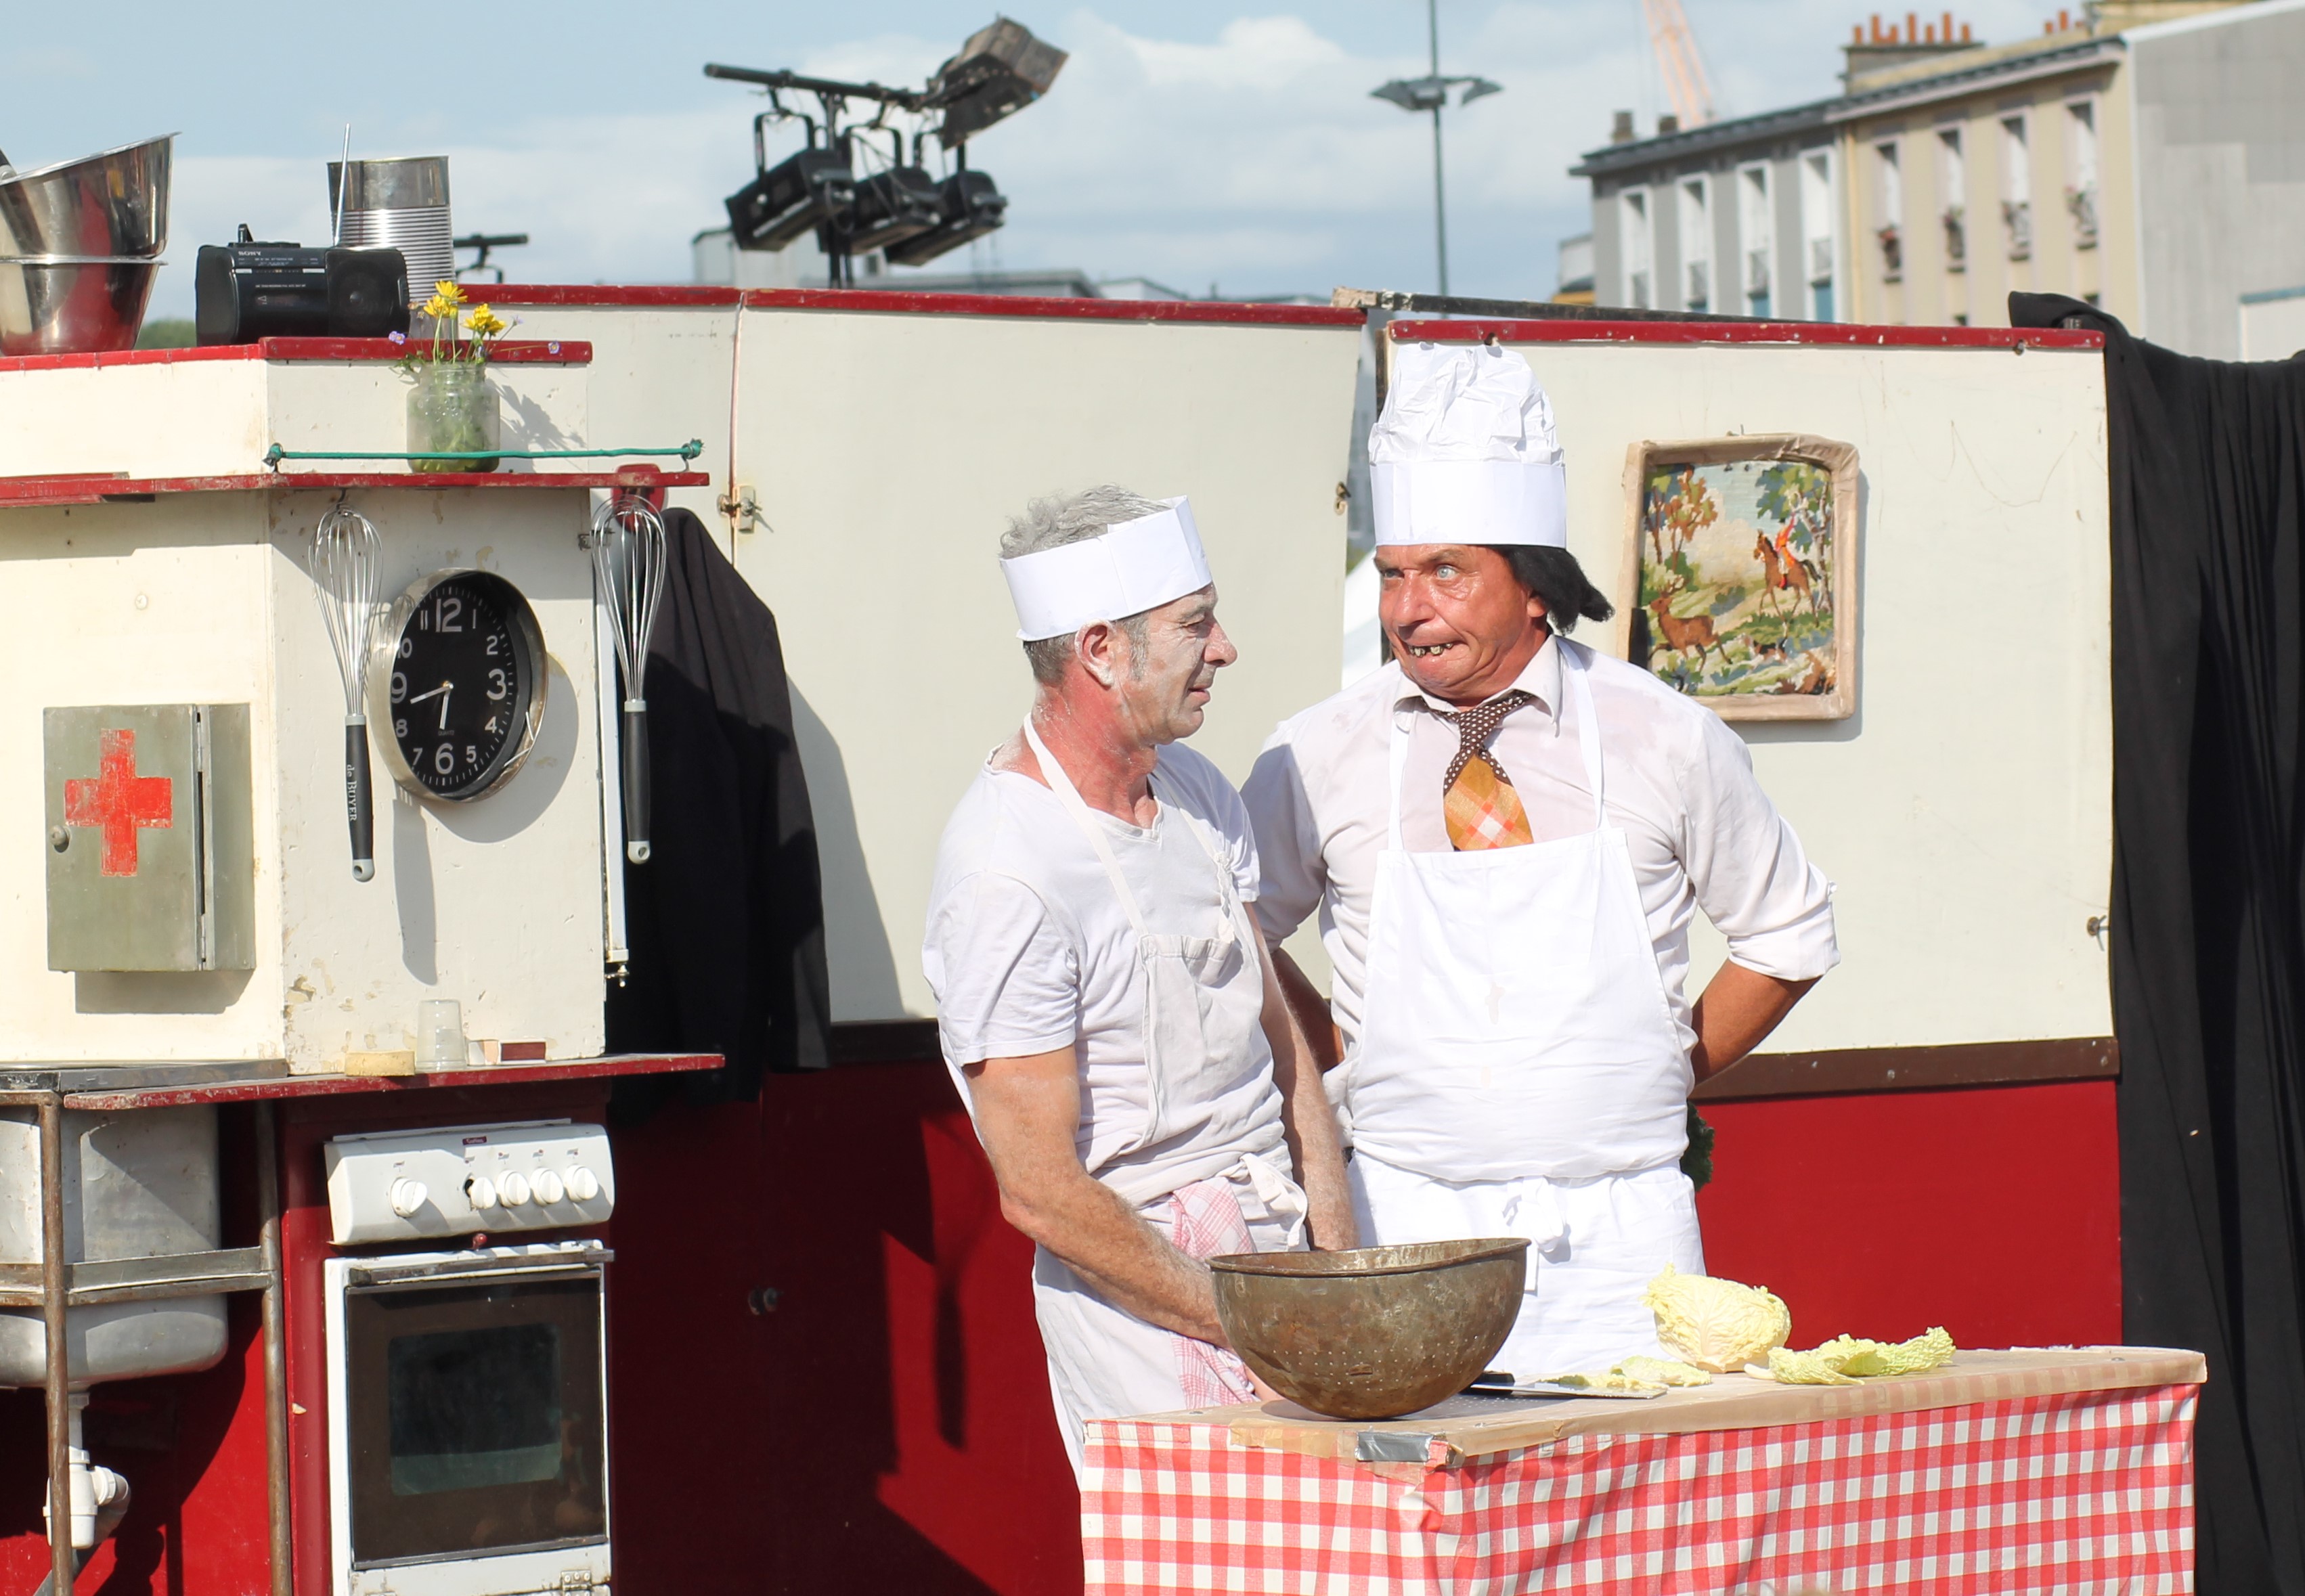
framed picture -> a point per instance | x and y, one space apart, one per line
1740 580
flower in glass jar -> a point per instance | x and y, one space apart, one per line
482 322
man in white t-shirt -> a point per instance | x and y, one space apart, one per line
1101 994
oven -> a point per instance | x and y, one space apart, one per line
468 1420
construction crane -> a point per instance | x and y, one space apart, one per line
1678 59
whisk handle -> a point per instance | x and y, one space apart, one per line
357 809
636 781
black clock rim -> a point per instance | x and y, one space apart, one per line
528 641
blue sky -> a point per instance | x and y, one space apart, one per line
1200 142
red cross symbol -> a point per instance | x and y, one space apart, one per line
120 800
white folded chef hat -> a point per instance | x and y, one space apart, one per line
1466 451
1125 570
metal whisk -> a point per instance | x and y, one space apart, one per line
344 554
628 561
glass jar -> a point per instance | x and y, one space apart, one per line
452 408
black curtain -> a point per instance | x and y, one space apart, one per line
2207 479
726 921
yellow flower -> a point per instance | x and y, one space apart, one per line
446 289
486 323
437 308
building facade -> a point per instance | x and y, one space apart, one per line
1735 218
2158 170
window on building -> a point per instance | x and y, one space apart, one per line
1892 219
1952 184
2080 169
1633 235
1696 245
1816 231
1757 236
2016 188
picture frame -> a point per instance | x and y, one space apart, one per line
1758 630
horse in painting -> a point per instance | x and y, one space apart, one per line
1783 571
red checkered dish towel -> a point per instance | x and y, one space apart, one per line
2081 1492
1205 1221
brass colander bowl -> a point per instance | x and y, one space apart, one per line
1375 1332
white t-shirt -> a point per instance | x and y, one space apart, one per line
1029 950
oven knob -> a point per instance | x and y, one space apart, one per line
481 1192
583 1186
547 1187
514 1189
407 1197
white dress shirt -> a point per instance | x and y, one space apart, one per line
1678 781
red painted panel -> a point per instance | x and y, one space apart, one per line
1571 330
886 1425
1994 1213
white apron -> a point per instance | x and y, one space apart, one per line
1518 1071
1203 1000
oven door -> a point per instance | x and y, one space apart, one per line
468 1421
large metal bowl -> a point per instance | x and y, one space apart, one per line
115 203
85 307
1376 1332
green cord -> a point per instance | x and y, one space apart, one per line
275 453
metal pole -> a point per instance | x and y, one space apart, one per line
275 1354
1440 204
55 1278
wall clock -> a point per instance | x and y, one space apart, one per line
461 693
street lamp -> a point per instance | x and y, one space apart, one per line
1430 93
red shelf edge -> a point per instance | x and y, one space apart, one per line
18 492
1831 334
296 1086
523 352
913 302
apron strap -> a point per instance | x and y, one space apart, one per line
1068 795
1573 667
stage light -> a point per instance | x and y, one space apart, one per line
891 206
970 207
998 72
800 193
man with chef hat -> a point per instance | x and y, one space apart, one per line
1505 834
1102 995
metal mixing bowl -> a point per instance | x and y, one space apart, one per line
85 307
80 242
1376 1332
115 203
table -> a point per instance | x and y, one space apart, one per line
2047 1470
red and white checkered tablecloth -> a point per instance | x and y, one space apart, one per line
2087 1491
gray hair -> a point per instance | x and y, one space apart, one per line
1063 518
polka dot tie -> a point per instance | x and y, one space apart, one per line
1477 799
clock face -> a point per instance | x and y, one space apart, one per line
463 691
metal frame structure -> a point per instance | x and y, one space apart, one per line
55 1287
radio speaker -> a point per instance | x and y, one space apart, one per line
251 289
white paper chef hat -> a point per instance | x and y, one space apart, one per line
1128 568
1466 451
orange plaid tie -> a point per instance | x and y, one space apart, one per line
1477 798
